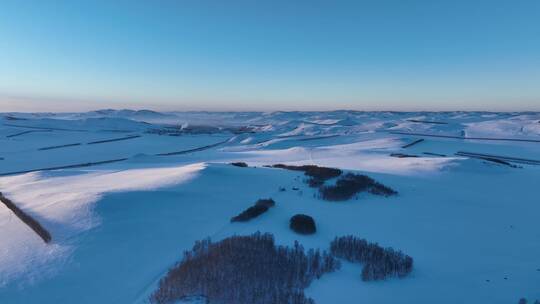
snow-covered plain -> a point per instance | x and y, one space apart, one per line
120 214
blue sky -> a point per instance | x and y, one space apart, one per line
270 55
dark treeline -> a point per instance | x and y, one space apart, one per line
316 175
260 207
346 186
349 185
27 219
245 270
240 164
413 143
58 147
403 155
379 263
112 140
65 167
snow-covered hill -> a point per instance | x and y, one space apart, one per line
123 193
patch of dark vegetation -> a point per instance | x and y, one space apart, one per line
413 143
314 182
260 207
524 301
240 164
27 219
402 155
379 263
303 224
244 270
316 175
349 185
346 187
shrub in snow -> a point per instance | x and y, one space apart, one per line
316 175
379 263
245 270
351 184
260 207
239 164
303 224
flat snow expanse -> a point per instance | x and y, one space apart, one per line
120 214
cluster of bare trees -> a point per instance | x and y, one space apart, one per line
316 175
349 185
346 186
245 270
260 207
379 263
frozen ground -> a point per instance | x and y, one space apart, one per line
121 214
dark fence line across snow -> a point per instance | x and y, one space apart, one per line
25 132
27 219
112 140
500 157
194 150
402 155
494 160
44 128
89 164
59 147
90 143
468 138
318 137
413 143
434 154
428 121
81 165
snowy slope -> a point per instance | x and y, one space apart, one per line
470 224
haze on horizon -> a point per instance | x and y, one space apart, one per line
270 55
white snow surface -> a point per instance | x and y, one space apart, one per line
65 204
471 225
